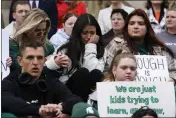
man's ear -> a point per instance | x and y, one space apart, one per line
14 15
19 60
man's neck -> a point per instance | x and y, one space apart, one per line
16 25
116 6
171 30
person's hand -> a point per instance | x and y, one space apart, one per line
94 39
59 110
52 110
58 113
42 111
59 106
9 61
62 60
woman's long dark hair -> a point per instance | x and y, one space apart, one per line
76 46
164 4
150 39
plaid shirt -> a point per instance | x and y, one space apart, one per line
114 45
120 44
171 61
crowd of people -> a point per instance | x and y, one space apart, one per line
58 52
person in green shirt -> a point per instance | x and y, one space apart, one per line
141 39
35 27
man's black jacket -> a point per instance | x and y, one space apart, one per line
23 100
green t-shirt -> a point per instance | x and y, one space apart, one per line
142 49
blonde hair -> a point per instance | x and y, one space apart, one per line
31 20
172 6
117 57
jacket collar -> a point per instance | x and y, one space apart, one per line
119 40
153 19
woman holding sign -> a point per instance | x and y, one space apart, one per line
123 68
141 39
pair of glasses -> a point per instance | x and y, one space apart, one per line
39 32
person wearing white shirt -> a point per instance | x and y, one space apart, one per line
20 8
62 35
156 11
104 19
48 6
84 52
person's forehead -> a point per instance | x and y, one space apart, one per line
20 6
171 12
31 50
136 18
89 27
72 18
117 14
127 61
147 116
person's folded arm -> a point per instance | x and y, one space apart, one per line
13 104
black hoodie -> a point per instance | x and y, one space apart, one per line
23 100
